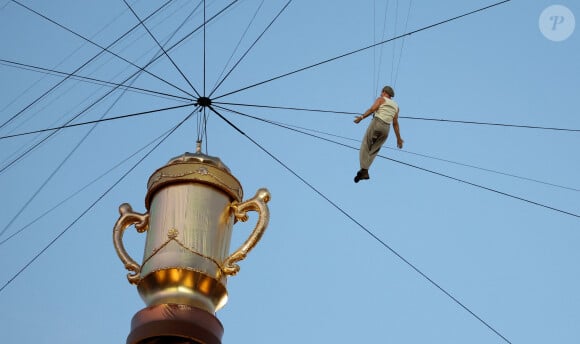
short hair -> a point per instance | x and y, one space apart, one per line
389 90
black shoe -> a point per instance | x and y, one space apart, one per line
363 174
357 178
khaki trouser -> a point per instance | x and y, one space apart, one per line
374 138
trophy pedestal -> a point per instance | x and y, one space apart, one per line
172 323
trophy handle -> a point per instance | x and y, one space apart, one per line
126 219
256 203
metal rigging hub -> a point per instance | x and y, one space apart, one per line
203 101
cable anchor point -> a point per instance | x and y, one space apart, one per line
203 101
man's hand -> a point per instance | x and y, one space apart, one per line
400 143
357 119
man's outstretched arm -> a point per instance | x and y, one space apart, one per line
372 109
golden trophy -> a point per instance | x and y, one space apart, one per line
193 202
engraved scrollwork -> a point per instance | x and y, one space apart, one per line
202 171
173 235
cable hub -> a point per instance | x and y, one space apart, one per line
203 101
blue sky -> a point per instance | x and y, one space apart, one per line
316 276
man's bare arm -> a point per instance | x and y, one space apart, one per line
397 130
372 109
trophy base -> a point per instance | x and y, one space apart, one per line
172 323
184 287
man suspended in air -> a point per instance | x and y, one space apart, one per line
385 111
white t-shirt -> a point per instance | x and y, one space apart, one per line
387 110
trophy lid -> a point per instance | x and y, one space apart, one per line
200 158
189 168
